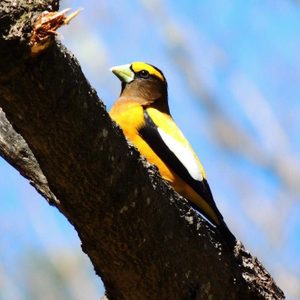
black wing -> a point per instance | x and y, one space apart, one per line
151 135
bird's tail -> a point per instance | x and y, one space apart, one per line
227 235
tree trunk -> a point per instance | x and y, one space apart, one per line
143 239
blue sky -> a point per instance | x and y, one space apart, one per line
245 56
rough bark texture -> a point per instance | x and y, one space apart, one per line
142 238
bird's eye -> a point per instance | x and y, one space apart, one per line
143 74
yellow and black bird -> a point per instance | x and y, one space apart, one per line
142 111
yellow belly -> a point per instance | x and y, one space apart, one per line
131 120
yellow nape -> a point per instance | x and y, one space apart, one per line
138 66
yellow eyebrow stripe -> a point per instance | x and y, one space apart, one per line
139 66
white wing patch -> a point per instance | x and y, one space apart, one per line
185 156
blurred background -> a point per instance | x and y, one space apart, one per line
233 69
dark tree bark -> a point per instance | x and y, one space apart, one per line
142 238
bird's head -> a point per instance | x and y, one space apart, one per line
144 82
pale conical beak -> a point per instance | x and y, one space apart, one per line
123 72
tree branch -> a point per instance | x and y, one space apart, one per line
142 238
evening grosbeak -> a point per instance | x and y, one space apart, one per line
142 111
